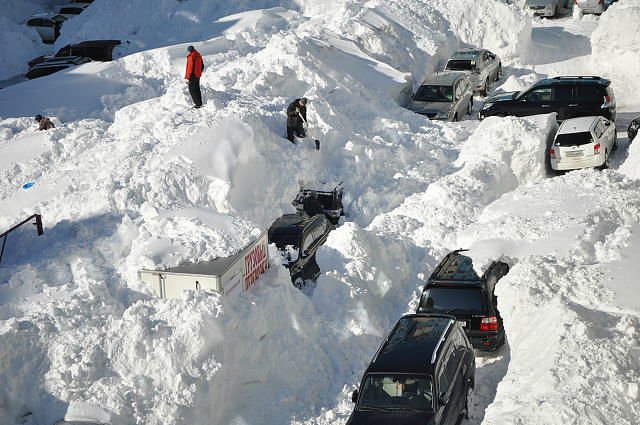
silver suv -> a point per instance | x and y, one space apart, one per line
484 67
444 96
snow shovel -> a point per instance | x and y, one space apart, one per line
306 126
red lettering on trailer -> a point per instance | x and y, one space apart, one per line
256 262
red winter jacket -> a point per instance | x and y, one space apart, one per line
194 65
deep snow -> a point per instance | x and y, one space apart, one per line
132 178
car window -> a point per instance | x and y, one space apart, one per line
460 65
41 72
562 93
454 299
459 90
444 378
397 391
542 94
433 93
574 139
598 130
308 241
70 10
589 93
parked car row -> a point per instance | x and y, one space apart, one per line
424 371
550 8
448 95
48 25
68 56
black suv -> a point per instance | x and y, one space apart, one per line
455 288
569 97
298 238
422 374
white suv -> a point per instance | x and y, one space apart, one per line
583 142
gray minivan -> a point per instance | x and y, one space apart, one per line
444 96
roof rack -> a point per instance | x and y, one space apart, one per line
577 77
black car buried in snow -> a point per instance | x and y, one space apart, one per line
567 96
632 130
298 238
422 373
455 288
331 201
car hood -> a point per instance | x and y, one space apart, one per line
396 417
431 107
502 97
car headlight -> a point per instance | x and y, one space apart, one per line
487 106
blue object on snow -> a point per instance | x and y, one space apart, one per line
28 185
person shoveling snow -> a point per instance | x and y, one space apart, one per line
44 123
297 120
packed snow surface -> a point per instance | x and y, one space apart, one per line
132 178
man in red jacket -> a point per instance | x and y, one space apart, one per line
195 66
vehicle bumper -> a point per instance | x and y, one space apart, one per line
577 163
486 341
546 12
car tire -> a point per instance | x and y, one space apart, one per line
485 88
464 414
298 281
455 118
499 73
470 107
615 142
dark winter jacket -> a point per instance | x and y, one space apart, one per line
293 120
45 124
312 206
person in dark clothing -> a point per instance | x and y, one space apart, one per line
195 66
44 123
296 118
311 206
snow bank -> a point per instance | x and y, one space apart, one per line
492 24
21 44
616 46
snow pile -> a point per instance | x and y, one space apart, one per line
492 24
616 47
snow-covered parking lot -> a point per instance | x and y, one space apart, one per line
132 177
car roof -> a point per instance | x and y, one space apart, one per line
410 346
445 78
580 79
577 125
467 54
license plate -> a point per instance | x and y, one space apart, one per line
574 154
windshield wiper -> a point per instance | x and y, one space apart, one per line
457 309
374 408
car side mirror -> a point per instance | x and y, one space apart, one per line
354 396
443 399
607 123
305 253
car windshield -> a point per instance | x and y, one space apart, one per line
469 300
460 65
434 94
397 391
574 139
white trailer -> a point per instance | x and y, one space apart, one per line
227 275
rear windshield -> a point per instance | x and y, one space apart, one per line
282 239
41 72
454 300
573 139
434 94
590 93
460 65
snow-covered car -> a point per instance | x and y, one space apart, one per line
544 8
46 67
632 130
583 142
70 10
97 50
47 25
445 96
483 65
592 6
331 201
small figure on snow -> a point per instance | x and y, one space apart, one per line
44 123
311 206
296 118
195 67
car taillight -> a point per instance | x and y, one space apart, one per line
607 102
596 149
552 153
489 324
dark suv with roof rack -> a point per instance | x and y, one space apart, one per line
422 374
455 288
569 97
